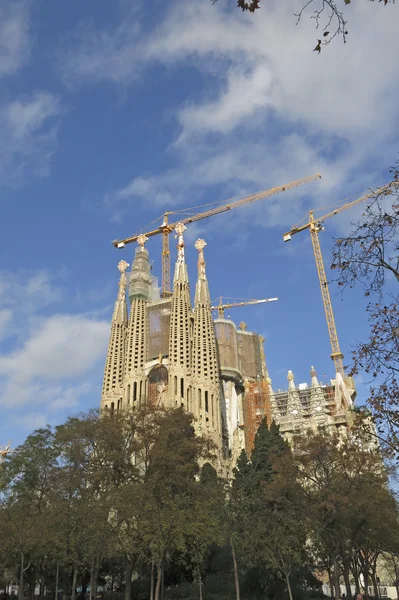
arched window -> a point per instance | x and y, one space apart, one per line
112 408
135 391
206 402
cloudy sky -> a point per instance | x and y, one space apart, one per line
112 112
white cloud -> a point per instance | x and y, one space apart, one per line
14 36
270 110
107 55
28 136
49 363
36 290
245 93
63 346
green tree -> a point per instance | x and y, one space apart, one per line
25 481
343 485
170 488
267 507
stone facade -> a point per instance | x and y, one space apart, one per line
164 351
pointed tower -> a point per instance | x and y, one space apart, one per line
137 333
180 332
112 392
206 405
294 408
318 405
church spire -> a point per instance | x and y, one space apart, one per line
202 290
313 374
181 275
205 356
180 330
114 364
137 332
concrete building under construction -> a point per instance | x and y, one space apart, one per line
167 352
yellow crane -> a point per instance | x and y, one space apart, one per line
4 450
166 228
222 307
314 226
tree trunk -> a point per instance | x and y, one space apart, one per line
42 587
375 584
355 573
152 581
56 582
330 581
347 583
32 585
93 581
336 579
366 583
162 582
128 578
74 582
21 578
200 584
287 578
159 579
236 578
65 584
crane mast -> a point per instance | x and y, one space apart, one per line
166 228
314 228
336 354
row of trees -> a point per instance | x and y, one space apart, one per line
76 510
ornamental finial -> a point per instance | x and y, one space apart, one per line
200 245
180 229
122 266
142 239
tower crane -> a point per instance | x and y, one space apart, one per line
4 450
314 226
166 228
222 307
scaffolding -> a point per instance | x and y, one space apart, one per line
257 406
159 325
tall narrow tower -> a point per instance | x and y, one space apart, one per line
180 332
137 334
206 405
112 392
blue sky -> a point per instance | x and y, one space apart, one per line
112 112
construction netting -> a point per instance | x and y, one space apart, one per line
140 277
249 354
159 323
257 406
226 337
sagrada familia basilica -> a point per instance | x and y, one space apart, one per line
169 352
